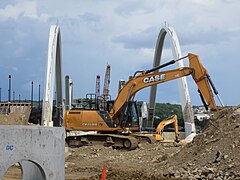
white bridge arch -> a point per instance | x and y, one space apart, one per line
54 67
182 82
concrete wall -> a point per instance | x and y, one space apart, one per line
39 150
16 107
171 136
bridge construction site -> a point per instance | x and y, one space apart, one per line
104 137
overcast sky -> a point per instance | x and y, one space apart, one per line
120 33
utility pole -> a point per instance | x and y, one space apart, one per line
39 96
9 88
0 94
32 95
13 95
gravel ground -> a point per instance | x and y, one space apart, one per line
213 154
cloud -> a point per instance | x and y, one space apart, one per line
131 8
121 33
213 36
24 9
15 68
90 17
136 40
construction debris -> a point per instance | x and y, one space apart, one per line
213 154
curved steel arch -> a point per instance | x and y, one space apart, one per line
183 87
54 66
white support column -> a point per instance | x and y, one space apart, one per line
68 93
53 66
183 87
187 110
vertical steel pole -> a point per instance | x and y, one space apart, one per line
39 95
9 88
9 92
32 95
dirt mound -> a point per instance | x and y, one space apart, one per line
213 154
13 119
87 162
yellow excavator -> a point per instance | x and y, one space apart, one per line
121 115
158 135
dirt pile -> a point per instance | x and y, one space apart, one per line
13 119
87 162
213 154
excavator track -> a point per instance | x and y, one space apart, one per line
143 138
114 140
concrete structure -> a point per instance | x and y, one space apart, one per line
97 88
144 115
121 84
53 67
183 87
106 83
68 93
16 107
38 150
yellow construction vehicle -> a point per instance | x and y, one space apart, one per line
121 114
159 130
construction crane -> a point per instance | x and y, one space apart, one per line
106 94
98 86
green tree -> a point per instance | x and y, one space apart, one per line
165 110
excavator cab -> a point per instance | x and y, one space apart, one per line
128 117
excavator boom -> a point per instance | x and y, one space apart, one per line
142 81
147 78
121 116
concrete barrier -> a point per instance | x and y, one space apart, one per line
39 151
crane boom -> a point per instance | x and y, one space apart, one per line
106 82
98 85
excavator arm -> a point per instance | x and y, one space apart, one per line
142 81
170 120
147 78
203 81
173 119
